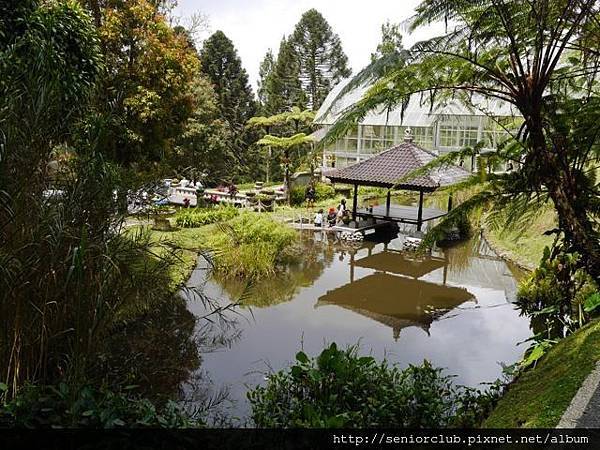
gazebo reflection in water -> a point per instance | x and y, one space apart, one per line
393 294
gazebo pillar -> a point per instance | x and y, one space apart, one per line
387 203
355 202
420 213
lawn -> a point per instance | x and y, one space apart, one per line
539 397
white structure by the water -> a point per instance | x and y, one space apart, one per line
442 129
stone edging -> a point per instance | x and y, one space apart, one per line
580 401
505 255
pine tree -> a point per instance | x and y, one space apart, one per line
391 41
223 67
265 74
285 88
322 62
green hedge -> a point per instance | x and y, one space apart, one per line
196 217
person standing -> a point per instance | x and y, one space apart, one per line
310 195
341 209
318 219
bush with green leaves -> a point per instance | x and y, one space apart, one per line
323 191
251 245
558 295
64 407
197 217
339 388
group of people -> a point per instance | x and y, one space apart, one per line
333 216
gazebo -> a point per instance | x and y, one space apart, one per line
387 169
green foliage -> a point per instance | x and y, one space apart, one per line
339 388
538 398
197 217
148 89
265 73
204 144
323 191
592 303
251 246
282 89
556 295
284 142
391 41
88 407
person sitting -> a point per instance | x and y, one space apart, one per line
331 217
318 219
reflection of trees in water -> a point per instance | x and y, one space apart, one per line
315 255
160 354
202 396
156 352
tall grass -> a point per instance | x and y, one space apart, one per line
196 217
251 246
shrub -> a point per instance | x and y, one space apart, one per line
323 191
192 218
558 295
88 407
341 389
251 245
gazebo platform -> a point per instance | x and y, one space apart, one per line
362 226
399 213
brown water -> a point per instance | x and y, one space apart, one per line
452 308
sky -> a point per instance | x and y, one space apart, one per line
254 26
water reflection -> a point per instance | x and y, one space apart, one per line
157 352
452 307
285 285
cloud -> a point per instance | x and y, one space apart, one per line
254 26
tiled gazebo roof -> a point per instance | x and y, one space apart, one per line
388 167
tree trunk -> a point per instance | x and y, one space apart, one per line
550 167
577 227
286 175
571 207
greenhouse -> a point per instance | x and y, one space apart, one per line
441 129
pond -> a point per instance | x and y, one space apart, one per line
453 308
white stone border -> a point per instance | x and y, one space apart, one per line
581 400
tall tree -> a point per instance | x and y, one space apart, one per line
150 68
265 76
283 85
204 144
223 68
322 62
543 59
391 41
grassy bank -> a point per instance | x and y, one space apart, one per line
524 247
539 397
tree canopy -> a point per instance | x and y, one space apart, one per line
391 41
149 70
